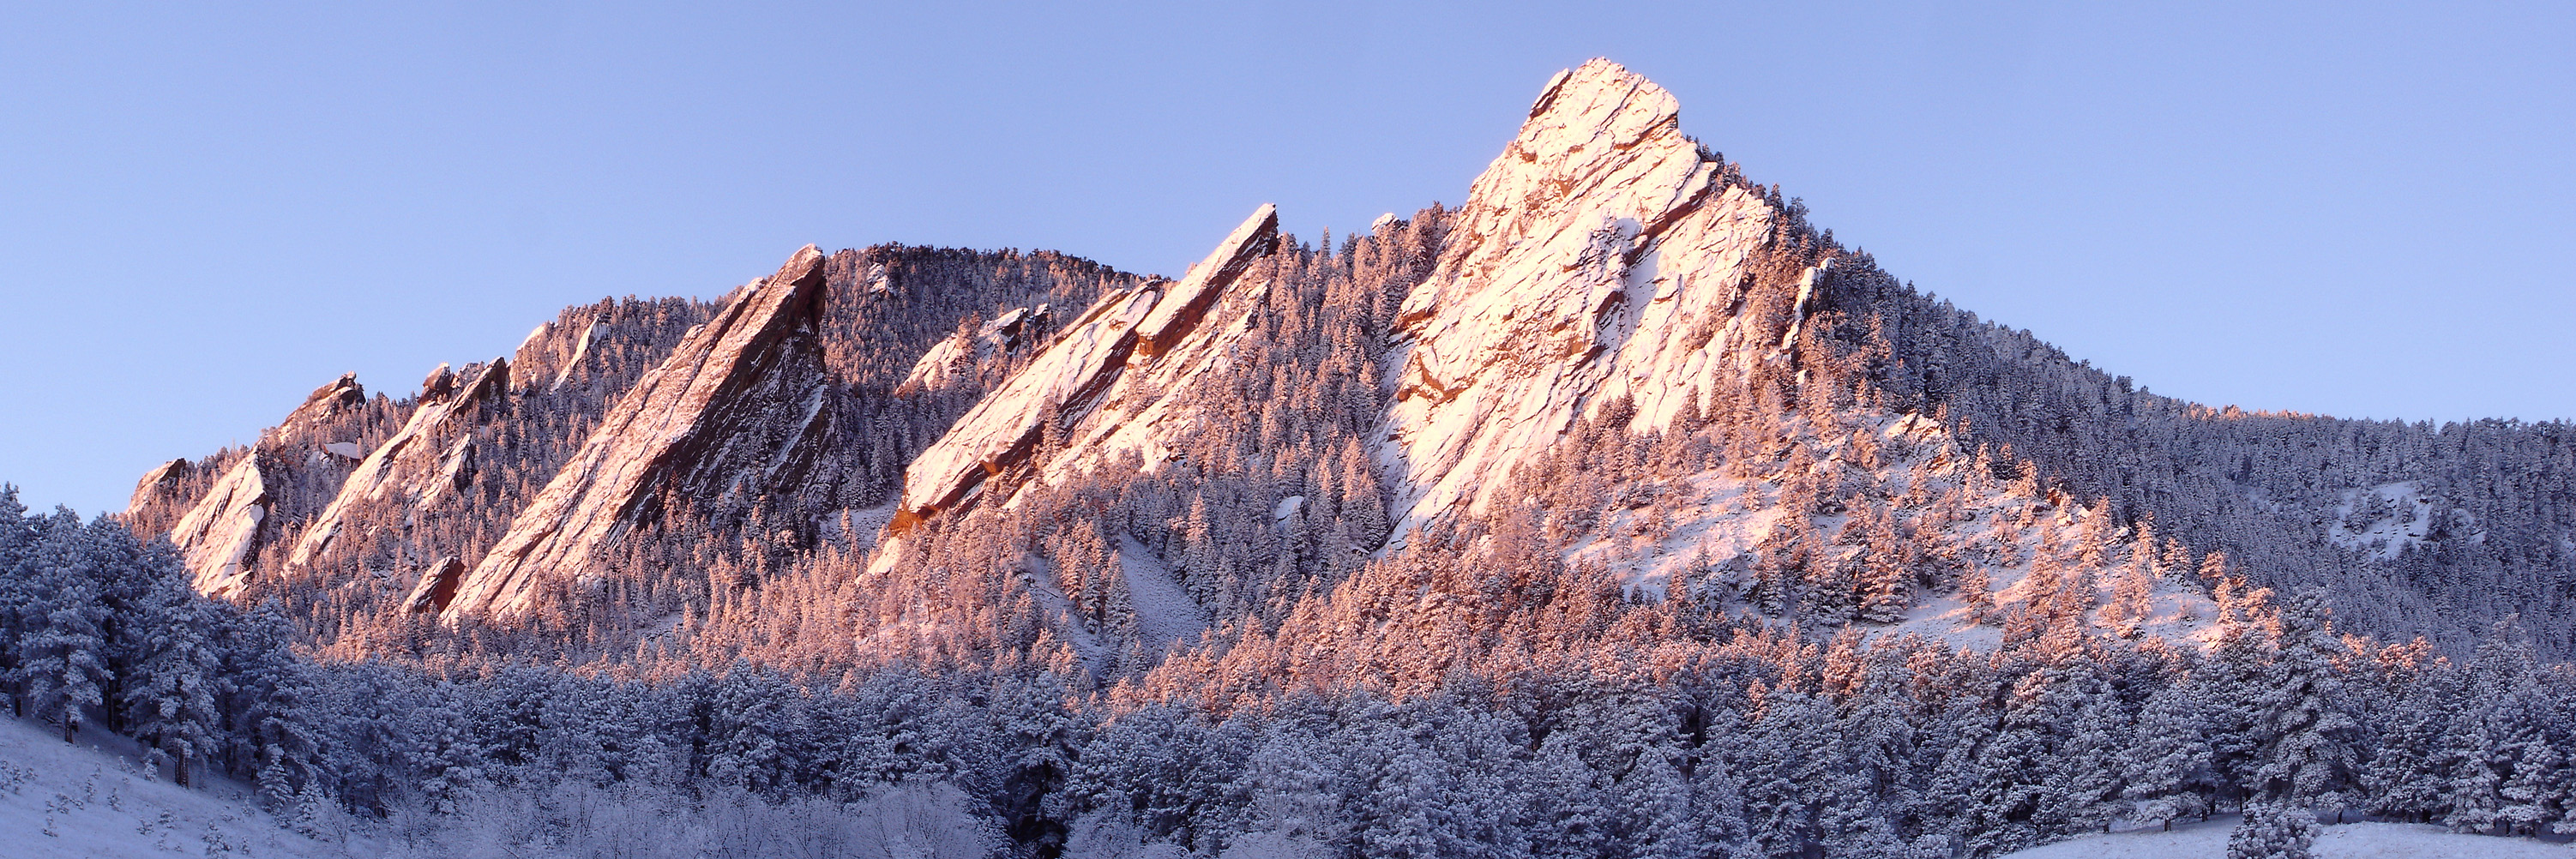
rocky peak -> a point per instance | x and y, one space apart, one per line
330 400
419 464
738 410
1600 256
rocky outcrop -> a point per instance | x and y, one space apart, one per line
1074 376
418 464
961 357
222 532
162 480
219 534
738 410
326 402
1603 255
437 586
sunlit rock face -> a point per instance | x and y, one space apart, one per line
430 458
1100 382
1602 255
223 531
738 410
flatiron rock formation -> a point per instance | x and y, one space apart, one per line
1602 255
432 455
226 526
739 409
1065 382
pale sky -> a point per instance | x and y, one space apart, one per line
207 210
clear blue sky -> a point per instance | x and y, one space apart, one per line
206 210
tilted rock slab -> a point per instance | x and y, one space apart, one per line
418 464
220 534
737 410
1073 377
437 586
1599 256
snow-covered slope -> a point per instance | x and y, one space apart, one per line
92 800
2347 841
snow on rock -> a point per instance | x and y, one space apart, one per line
735 411
1093 364
429 457
344 449
1586 258
2344 841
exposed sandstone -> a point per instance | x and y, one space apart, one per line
409 469
218 535
1066 382
1600 256
738 410
437 586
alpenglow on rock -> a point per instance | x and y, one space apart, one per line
224 530
738 410
1602 255
431 457
1072 377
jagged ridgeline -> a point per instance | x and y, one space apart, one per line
353 504
1619 380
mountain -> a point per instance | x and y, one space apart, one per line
1606 274
1616 511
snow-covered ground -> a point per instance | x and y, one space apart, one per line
92 800
2346 841
1165 613
1715 519
2390 518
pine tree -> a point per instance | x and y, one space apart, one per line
2273 832
2169 762
62 645
2309 757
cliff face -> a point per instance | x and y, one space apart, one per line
1090 378
222 531
1603 255
738 410
431 457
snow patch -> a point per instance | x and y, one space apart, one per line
2345 841
2382 520
95 799
1165 612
